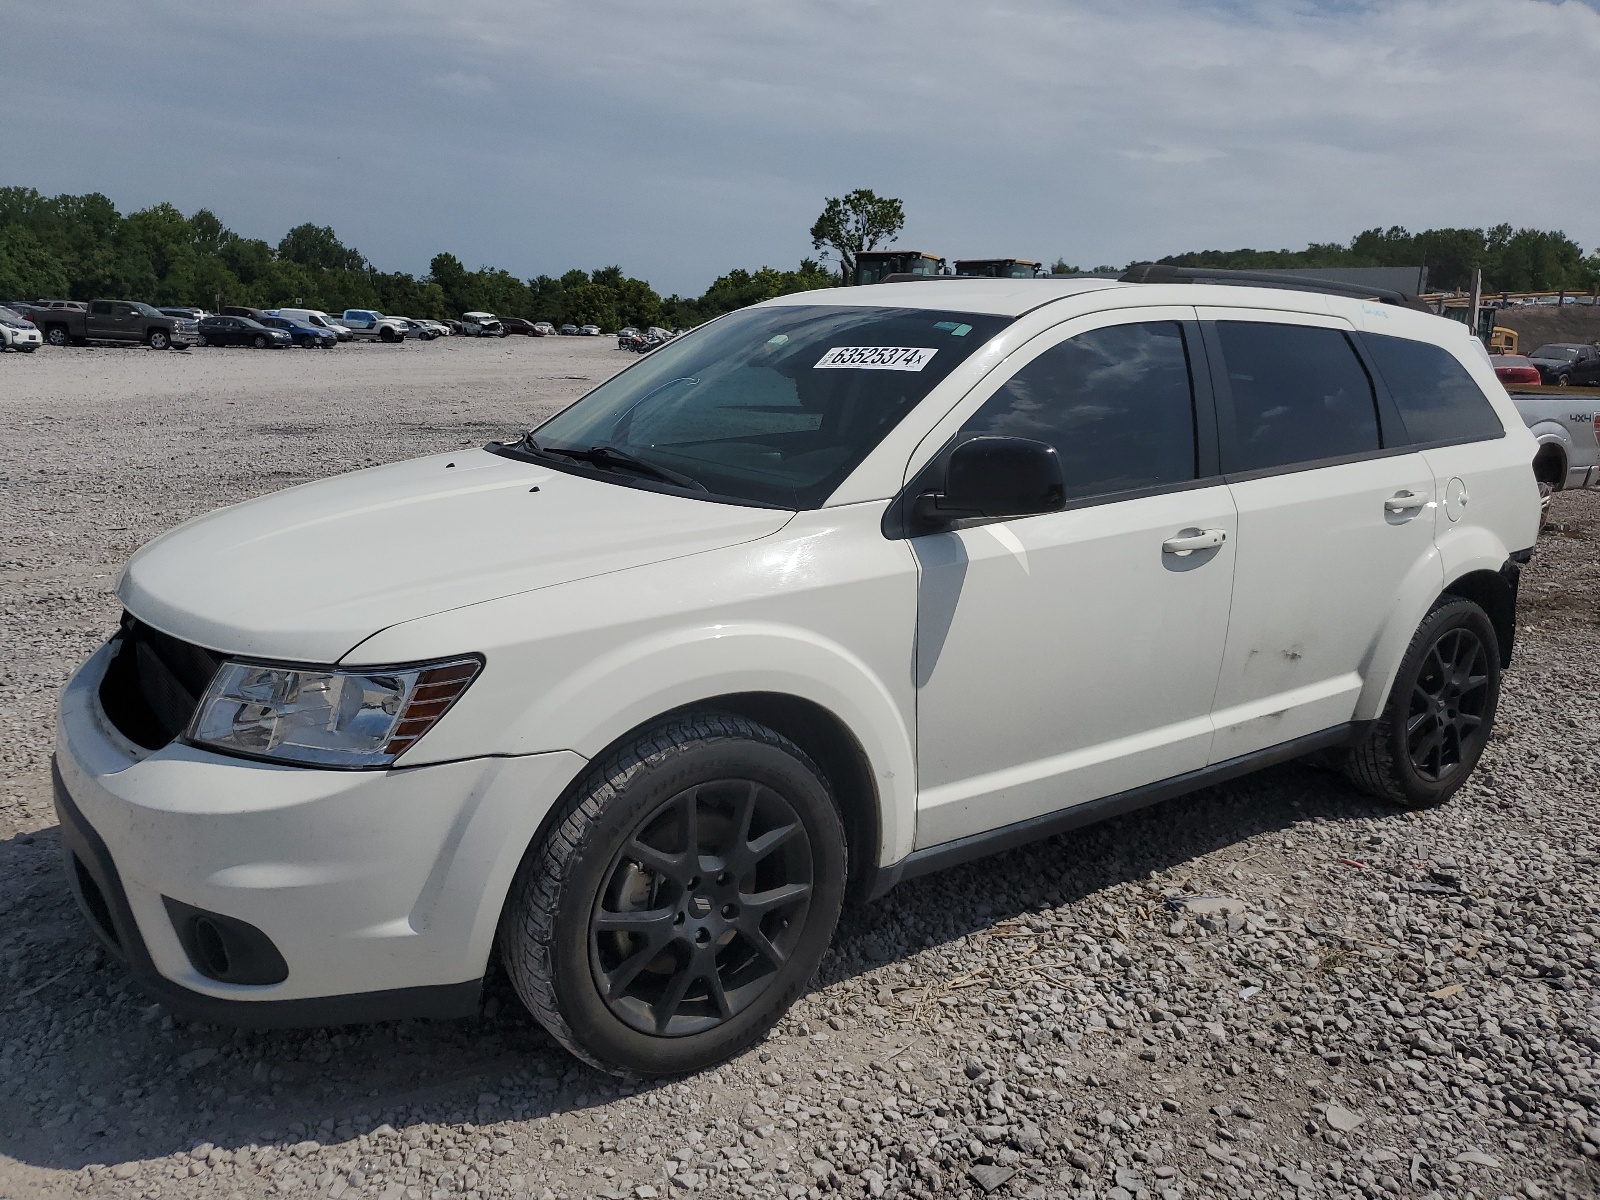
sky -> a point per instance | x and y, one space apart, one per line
683 139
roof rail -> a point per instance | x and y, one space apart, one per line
1167 273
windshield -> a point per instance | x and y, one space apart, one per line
146 310
1553 351
7 314
773 405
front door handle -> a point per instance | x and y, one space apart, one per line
1191 540
1404 501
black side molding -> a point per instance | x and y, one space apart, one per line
97 886
1009 837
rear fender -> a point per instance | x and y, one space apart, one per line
1416 594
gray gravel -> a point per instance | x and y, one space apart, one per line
1277 988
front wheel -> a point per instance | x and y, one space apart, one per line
1563 380
1440 711
683 899
259 342
158 339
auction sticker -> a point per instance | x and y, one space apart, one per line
876 358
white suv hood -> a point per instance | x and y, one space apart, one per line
308 573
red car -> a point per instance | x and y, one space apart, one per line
1515 370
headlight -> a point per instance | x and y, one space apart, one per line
327 718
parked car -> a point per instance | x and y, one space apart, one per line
1515 370
1563 363
627 331
18 332
235 310
823 596
242 331
115 321
518 325
302 334
315 317
369 325
589 330
191 314
439 328
482 324
416 329
545 328
569 331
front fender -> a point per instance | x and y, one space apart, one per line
630 684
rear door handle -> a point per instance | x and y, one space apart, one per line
1404 502
1191 540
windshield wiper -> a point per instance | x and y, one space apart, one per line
610 456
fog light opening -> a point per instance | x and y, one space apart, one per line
209 944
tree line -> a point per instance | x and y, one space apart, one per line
80 247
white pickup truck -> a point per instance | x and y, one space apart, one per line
370 326
1566 423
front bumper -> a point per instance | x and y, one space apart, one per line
22 337
380 889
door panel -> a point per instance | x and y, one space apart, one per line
1331 523
1065 657
1320 564
1068 656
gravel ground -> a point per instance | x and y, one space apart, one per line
1273 988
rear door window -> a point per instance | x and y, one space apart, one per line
1438 400
1299 395
1116 403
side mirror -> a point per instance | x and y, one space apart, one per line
995 477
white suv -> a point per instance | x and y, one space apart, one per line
833 591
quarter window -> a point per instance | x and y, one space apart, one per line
1299 394
1116 403
1438 400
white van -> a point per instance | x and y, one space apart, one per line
833 591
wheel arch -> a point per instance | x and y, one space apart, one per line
1493 592
1550 459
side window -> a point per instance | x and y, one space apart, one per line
1299 394
101 308
1116 403
1437 399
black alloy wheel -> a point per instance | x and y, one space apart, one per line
702 908
681 899
1440 711
1448 701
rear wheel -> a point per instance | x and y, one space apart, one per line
1440 710
682 901
56 335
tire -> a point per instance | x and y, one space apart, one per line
158 339
56 335
1563 380
200 340
1440 712
620 842
29 349
387 335
259 342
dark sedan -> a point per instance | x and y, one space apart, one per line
518 325
241 331
1567 362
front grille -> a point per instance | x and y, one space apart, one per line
154 683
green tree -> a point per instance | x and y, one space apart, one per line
27 270
861 220
319 248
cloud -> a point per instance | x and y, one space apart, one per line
462 84
681 141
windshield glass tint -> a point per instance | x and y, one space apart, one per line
774 405
1563 353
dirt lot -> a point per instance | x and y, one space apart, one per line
1383 1003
